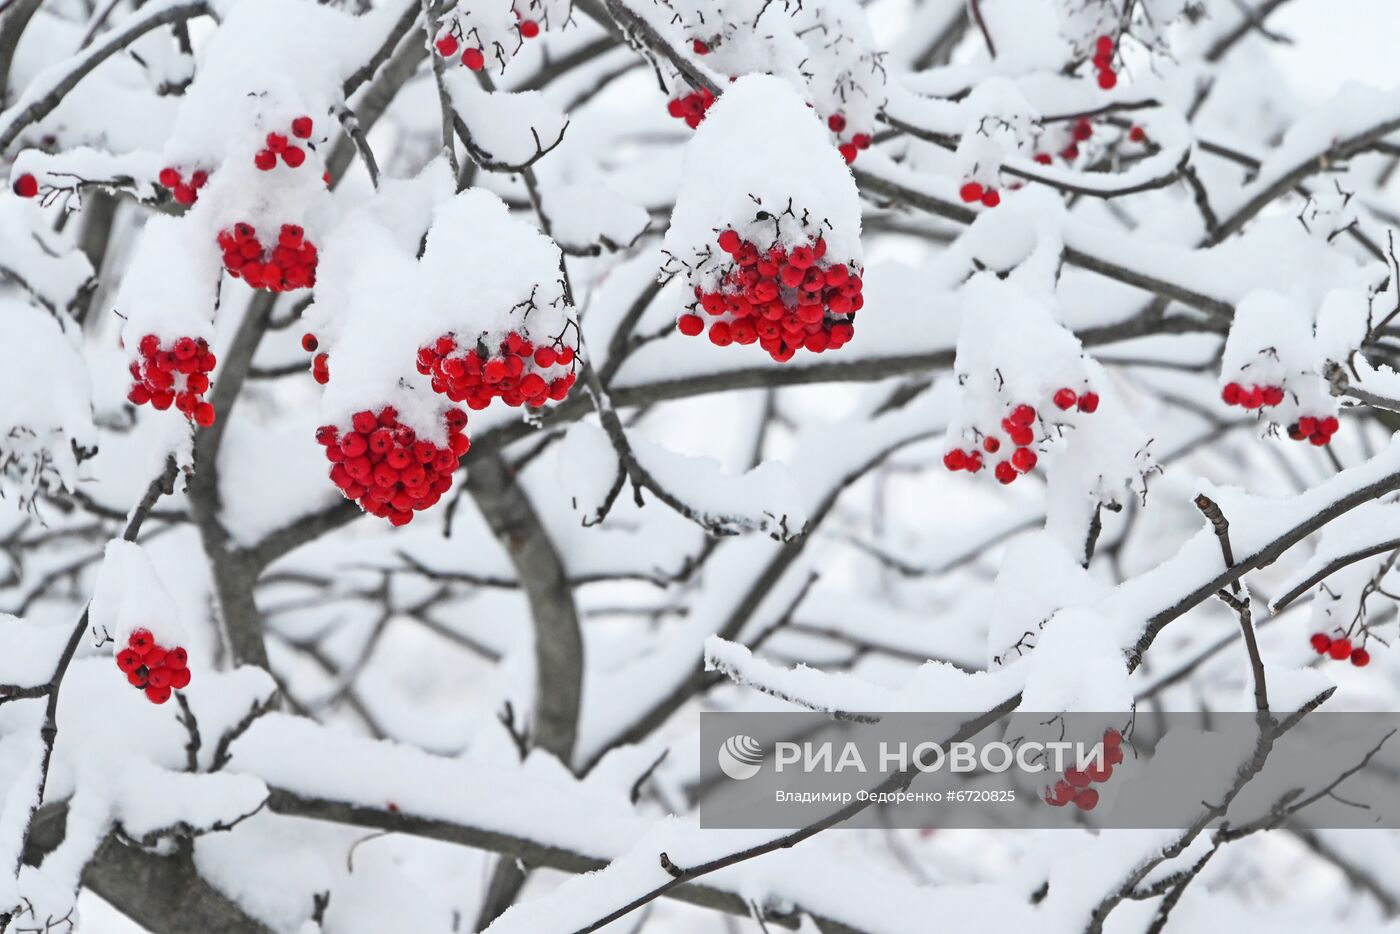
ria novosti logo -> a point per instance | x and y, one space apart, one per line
740 757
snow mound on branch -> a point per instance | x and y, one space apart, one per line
765 499
590 217
488 273
1077 665
393 219
31 651
129 596
371 359
32 255
171 285
268 62
1270 339
1038 578
46 415
1370 525
1012 350
64 170
791 172
510 128
1271 344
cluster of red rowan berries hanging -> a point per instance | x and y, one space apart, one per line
691 107
288 264
1019 426
184 191
517 372
1074 787
851 146
177 374
975 191
782 299
153 668
277 144
1104 48
1340 649
385 467
1316 431
1251 397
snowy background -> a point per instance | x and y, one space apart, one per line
414 413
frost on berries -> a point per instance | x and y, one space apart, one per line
770 246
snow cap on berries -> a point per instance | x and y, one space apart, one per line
171 285
791 184
129 596
488 273
372 358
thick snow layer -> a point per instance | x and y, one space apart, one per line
505 127
29 255
32 651
129 596
1038 577
765 499
47 407
171 288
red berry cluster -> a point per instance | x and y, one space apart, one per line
1340 649
26 186
177 374
782 299
691 107
1019 425
700 47
387 468
1104 47
1252 397
473 57
973 191
1137 135
153 668
1074 787
289 264
184 192
278 145
849 148
517 373
1316 431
